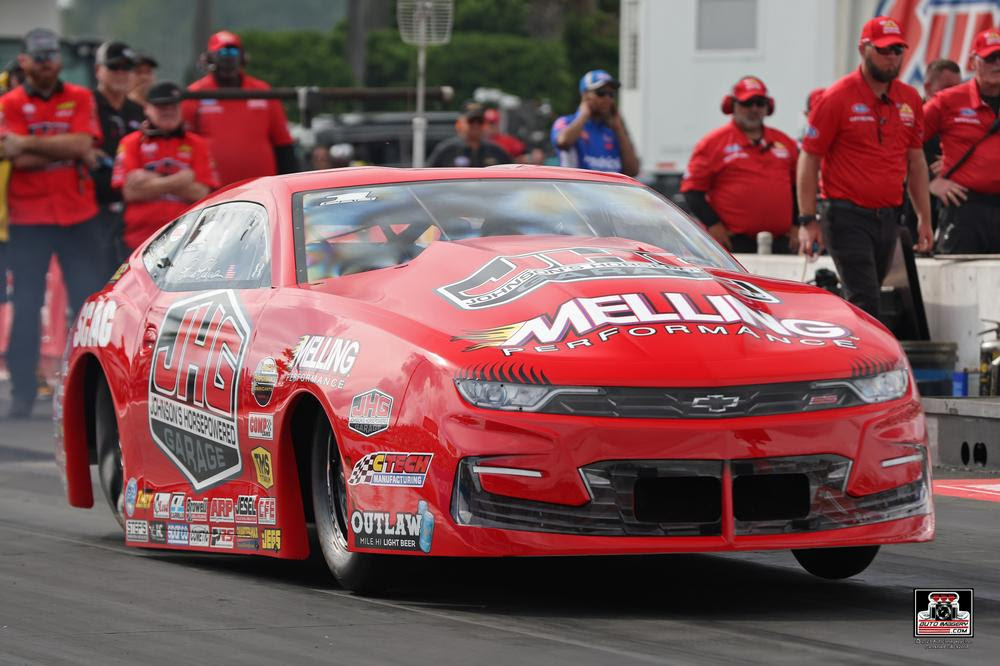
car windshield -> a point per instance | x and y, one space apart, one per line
357 229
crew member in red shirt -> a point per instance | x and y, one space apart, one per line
965 117
161 169
866 132
49 129
248 137
741 177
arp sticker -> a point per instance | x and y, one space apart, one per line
196 364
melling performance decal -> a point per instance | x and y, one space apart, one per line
394 531
505 279
192 386
585 322
323 360
391 469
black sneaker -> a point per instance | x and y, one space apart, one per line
20 409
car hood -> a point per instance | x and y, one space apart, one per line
615 312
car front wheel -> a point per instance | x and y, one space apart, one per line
109 451
836 563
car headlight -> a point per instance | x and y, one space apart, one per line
879 388
512 396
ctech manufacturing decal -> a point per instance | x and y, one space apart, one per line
196 364
586 322
391 469
505 279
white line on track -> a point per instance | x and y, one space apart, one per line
500 627
80 542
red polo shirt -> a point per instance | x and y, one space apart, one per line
864 140
163 155
241 133
749 186
61 193
960 117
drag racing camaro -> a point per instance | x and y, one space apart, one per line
510 361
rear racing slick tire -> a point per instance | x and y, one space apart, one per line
357 572
109 451
836 563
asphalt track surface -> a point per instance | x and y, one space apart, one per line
72 593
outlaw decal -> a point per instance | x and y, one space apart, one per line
192 386
507 278
399 531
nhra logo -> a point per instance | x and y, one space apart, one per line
507 278
391 469
370 412
192 386
943 615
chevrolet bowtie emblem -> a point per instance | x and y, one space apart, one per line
715 403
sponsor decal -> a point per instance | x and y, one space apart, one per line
177 534
221 510
350 197
906 113
161 505
968 112
247 537
119 272
370 412
137 531
144 499
131 491
507 278
260 426
158 531
585 322
257 103
735 156
198 536
862 119
323 360
263 381
262 465
938 612
192 386
889 27
246 509
267 510
391 469
394 531
860 108
197 510
270 539
177 232
222 537
780 150
732 148
94 324
177 506
811 132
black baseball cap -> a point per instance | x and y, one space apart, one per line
143 58
41 42
165 93
115 53
473 110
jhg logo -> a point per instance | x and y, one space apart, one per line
940 612
192 386
507 278
370 412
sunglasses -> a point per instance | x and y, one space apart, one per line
47 56
228 52
754 101
476 120
895 49
120 66
993 58
604 93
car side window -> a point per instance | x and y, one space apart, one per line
159 254
226 249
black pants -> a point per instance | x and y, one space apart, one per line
3 271
80 252
112 228
748 244
861 243
972 228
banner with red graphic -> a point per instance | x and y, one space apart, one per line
938 29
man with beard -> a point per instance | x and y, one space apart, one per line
866 133
740 178
469 148
595 136
49 128
118 116
247 137
967 120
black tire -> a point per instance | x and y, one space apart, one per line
358 572
109 451
836 563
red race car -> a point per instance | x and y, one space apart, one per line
482 362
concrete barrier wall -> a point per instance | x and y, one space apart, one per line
958 294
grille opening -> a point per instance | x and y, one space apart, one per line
678 499
771 497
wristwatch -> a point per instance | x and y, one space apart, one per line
806 219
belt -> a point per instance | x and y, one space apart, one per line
891 213
983 198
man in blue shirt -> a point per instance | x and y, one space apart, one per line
595 136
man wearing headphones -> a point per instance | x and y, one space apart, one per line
247 137
740 178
